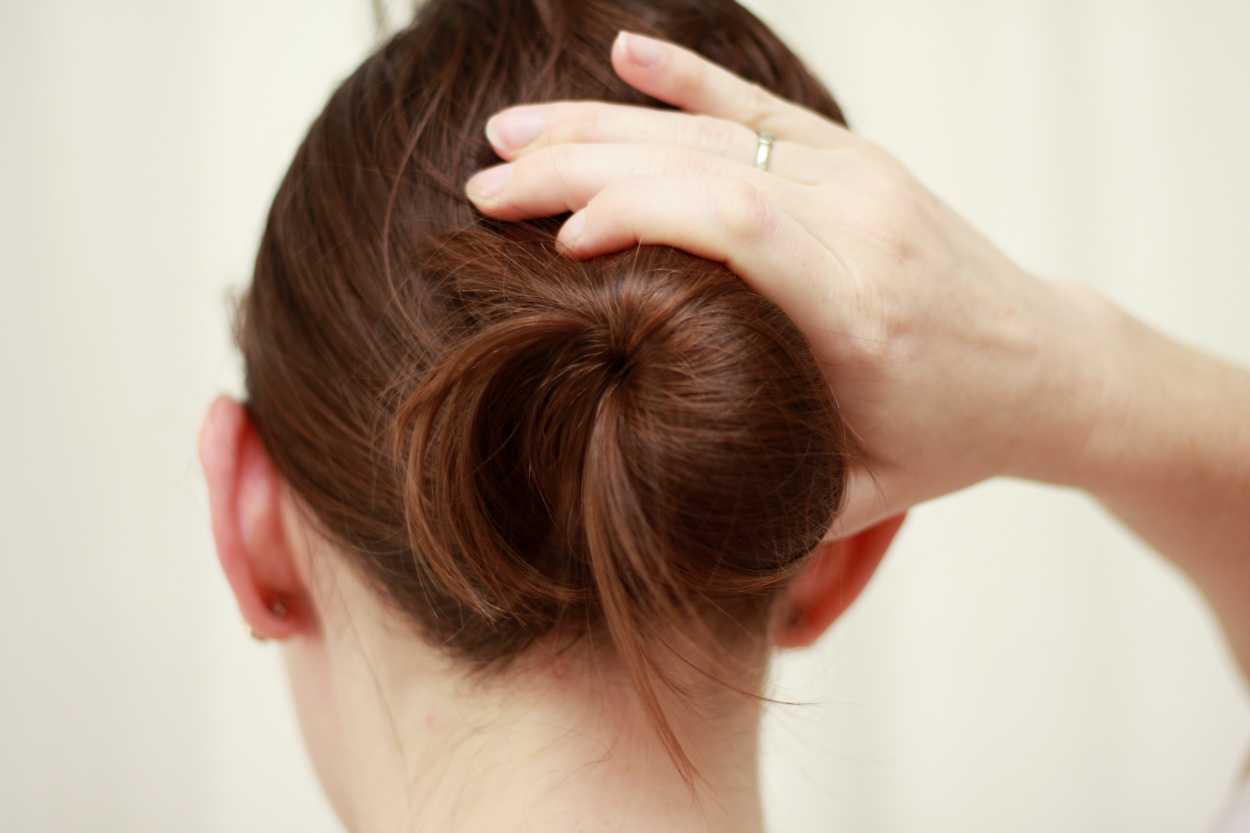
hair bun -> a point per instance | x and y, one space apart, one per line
616 442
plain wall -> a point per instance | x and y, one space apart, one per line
1020 663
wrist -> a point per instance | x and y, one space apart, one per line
1103 386
1147 407
1075 393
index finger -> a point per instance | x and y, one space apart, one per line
685 79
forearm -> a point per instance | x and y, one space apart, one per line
1169 454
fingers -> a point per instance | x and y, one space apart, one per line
723 219
686 80
521 130
565 177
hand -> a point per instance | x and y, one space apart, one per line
950 363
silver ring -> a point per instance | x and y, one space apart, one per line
764 150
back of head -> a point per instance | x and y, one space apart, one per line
510 445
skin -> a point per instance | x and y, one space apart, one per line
982 369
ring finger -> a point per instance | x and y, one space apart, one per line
559 178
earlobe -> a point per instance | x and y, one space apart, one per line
836 574
245 501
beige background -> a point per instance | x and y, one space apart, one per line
1020 663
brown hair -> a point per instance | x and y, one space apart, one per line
509 444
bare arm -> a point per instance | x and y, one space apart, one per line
1170 456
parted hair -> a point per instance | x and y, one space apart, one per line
512 446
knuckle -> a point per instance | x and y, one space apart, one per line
577 122
759 104
904 249
891 316
561 164
745 211
687 80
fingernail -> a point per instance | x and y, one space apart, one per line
486 184
642 50
572 230
514 129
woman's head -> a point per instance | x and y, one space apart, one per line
633 456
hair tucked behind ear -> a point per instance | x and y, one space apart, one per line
509 444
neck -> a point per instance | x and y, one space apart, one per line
560 745
558 757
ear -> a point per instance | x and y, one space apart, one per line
245 499
834 576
